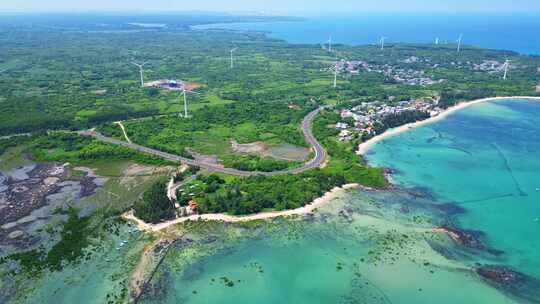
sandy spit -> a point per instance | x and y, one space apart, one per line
307 209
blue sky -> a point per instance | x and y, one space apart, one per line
271 6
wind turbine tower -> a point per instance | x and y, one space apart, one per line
184 92
141 71
335 75
506 66
382 42
232 57
329 44
185 102
437 41
459 42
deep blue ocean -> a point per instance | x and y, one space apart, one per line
517 31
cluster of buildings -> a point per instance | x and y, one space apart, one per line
366 115
400 75
191 207
490 66
168 84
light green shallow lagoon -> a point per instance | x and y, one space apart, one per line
358 251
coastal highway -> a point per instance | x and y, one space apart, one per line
320 153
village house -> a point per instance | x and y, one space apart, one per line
345 135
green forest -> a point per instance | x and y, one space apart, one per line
60 80
154 206
57 79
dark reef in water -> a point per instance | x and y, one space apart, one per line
421 192
156 289
512 282
450 208
346 213
469 238
500 275
391 171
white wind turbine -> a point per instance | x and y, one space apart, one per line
506 67
459 42
184 92
329 44
382 42
437 40
335 74
232 58
141 70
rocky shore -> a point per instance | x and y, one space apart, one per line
25 190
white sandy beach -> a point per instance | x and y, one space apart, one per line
327 197
364 147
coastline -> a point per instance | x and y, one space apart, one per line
307 209
364 147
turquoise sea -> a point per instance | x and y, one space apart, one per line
484 159
507 31
476 171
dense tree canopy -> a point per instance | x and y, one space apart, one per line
155 206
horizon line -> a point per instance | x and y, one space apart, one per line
68 11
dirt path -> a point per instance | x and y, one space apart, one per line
119 123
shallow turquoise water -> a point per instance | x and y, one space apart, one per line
486 159
368 247
364 249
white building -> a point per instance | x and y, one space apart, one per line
345 135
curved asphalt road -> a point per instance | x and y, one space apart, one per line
320 153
